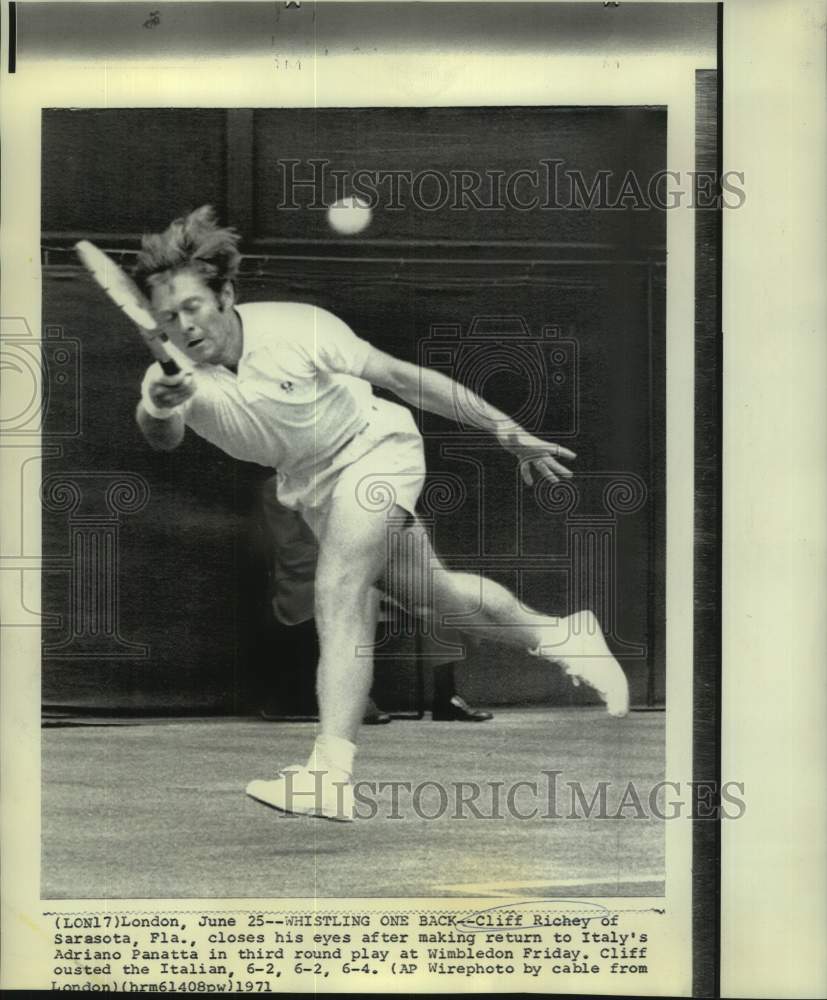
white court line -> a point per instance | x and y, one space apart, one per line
511 889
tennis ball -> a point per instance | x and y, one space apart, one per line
349 216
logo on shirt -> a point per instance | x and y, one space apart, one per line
287 385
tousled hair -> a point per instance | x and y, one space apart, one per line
193 242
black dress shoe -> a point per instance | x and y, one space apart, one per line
458 710
374 716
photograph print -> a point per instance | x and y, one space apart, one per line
354 544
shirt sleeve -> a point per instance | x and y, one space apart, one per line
336 348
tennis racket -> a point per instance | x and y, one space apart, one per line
126 295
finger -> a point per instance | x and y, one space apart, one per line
545 471
170 398
167 390
544 468
558 451
557 467
525 472
173 381
179 390
166 404
179 397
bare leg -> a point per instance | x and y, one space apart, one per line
351 560
469 601
482 606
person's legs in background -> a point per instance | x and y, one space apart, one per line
448 705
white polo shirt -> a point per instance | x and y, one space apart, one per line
297 397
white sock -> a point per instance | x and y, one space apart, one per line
332 753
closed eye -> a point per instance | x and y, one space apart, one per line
188 308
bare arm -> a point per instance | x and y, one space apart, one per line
162 435
437 393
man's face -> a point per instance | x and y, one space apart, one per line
194 318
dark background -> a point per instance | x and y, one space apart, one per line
189 577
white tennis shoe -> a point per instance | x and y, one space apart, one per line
585 657
306 792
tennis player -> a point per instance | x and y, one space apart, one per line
290 386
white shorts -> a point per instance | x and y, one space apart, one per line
381 467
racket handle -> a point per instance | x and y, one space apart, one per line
174 364
170 368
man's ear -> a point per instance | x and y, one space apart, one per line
226 297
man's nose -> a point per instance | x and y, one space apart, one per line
184 323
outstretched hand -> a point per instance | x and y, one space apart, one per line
538 459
